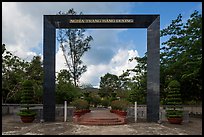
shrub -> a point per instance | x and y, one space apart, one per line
27 99
115 105
87 97
174 100
26 112
80 104
113 96
119 105
66 91
105 102
125 105
95 100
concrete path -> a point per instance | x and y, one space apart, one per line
101 117
11 126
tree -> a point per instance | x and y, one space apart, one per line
109 83
74 44
137 94
137 84
174 102
95 99
65 90
125 80
27 100
181 55
64 76
34 72
13 73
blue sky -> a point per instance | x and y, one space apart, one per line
111 48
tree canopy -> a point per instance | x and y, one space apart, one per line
180 58
74 44
109 83
181 55
14 71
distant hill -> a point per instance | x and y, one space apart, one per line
90 89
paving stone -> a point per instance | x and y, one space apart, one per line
10 127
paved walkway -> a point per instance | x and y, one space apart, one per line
101 117
100 114
11 126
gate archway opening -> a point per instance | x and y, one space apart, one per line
53 22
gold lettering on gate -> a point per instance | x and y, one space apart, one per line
101 21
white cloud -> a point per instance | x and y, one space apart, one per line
104 45
22 21
22 28
120 62
21 52
117 65
93 74
60 61
22 33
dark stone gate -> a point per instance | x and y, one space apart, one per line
151 22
